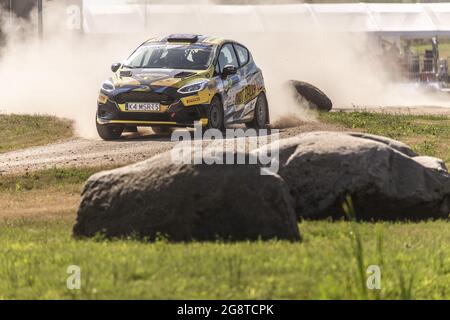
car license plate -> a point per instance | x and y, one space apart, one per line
149 107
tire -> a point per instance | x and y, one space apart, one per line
163 131
109 132
215 115
261 114
312 94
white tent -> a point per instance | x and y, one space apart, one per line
405 20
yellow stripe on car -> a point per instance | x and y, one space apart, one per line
201 97
134 122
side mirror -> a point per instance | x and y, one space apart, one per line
115 67
229 70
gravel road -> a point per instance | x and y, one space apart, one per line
79 152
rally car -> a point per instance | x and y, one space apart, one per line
178 80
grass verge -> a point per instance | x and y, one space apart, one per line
22 131
46 193
57 178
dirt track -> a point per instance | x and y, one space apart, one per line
81 152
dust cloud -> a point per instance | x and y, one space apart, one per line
61 74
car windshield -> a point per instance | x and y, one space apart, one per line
171 56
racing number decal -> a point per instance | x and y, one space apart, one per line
239 93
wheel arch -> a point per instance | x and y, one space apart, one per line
218 95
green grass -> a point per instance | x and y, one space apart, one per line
55 178
426 134
35 255
21 131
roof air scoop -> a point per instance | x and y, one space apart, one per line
189 38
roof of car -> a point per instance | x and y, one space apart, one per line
199 39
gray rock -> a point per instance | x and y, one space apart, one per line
186 202
394 144
321 168
432 163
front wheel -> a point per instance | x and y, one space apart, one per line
109 132
261 114
215 115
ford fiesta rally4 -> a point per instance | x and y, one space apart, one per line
181 79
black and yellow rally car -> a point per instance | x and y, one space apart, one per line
180 79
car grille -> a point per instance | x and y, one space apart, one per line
138 116
143 97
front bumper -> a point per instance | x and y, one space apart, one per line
111 113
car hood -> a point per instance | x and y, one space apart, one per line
156 77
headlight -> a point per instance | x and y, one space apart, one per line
194 87
108 86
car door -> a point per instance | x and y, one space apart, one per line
232 84
250 79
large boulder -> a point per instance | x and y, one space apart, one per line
322 168
186 202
